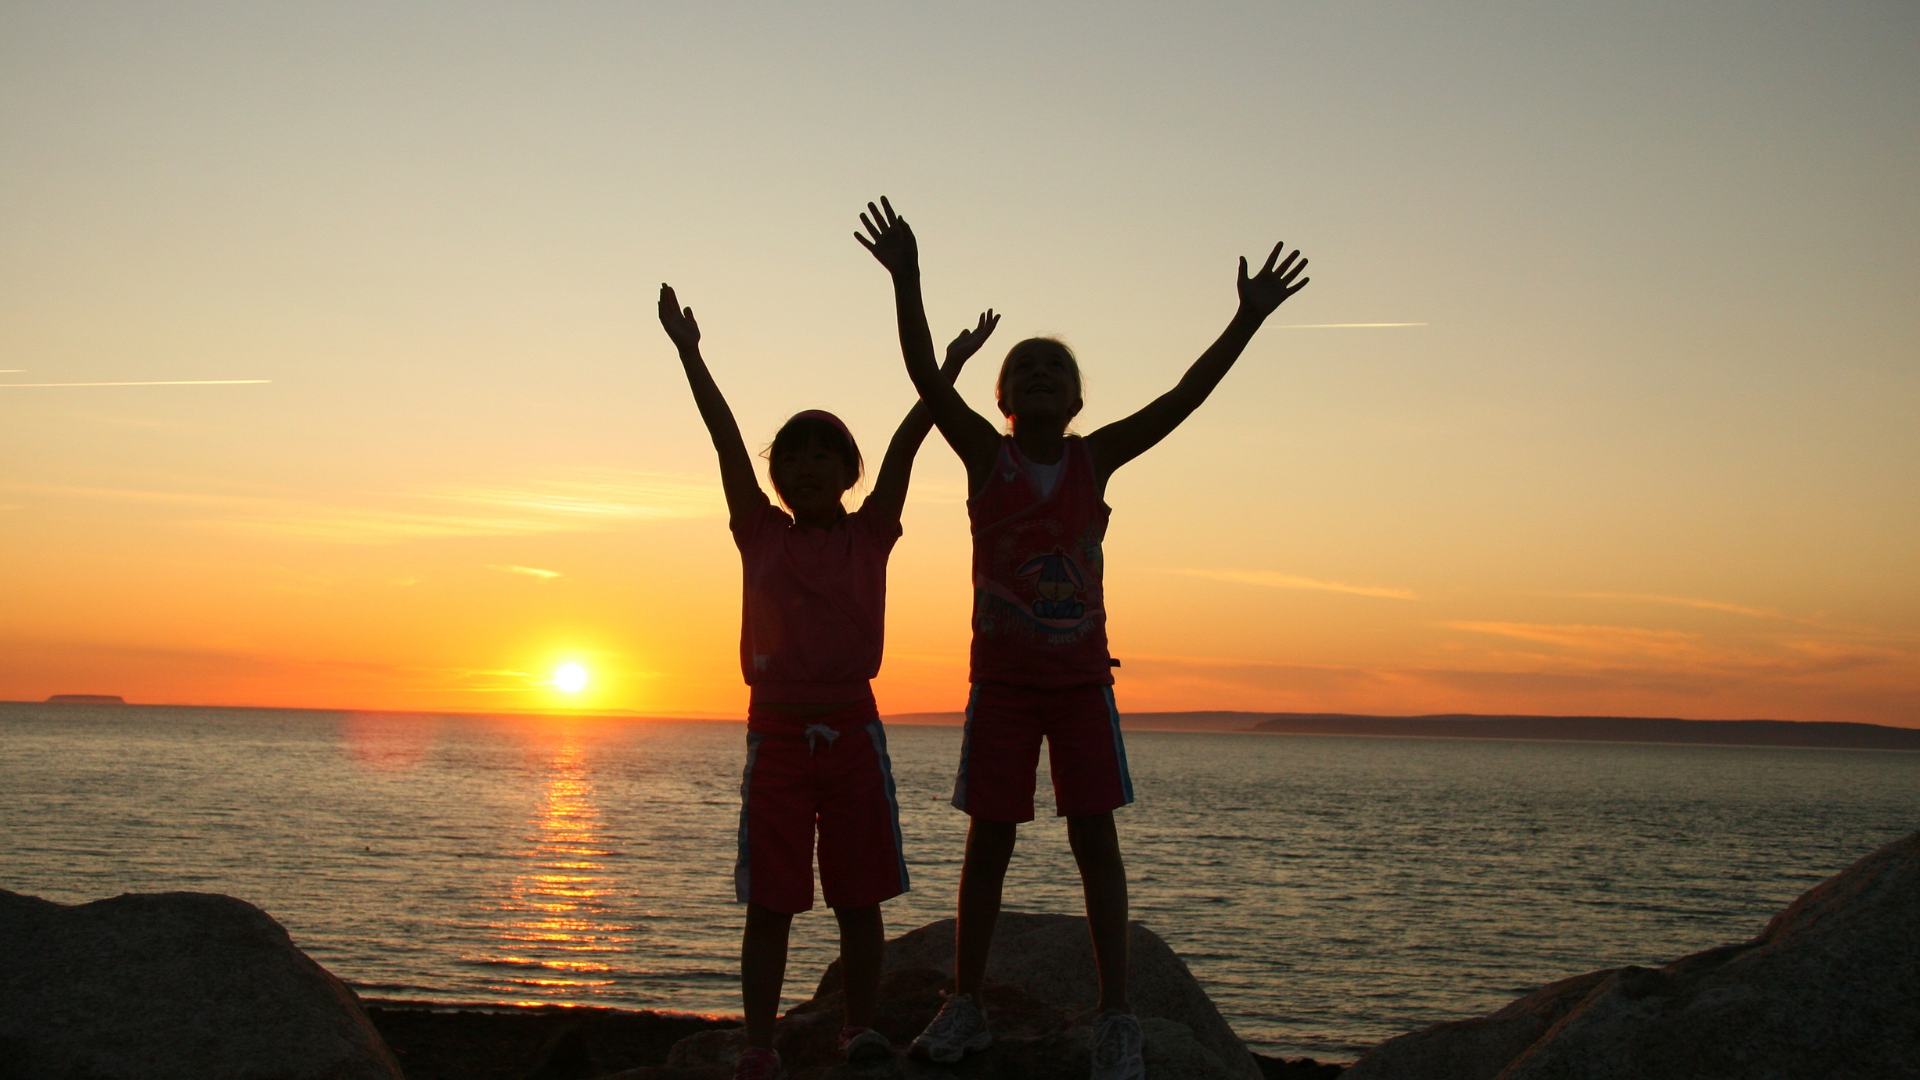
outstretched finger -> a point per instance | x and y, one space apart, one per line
1271 256
879 222
864 242
1243 269
891 216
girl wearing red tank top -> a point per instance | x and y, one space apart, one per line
810 639
1040 668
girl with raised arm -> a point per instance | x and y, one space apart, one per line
1040 666
810 641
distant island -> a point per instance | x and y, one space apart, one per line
1641 729
86 699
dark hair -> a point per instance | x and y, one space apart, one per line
1038 344
815 426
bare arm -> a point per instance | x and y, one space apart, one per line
889 493
1123 440
972 437
736 466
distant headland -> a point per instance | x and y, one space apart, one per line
1641 729
86 699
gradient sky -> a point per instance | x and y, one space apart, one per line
1651 449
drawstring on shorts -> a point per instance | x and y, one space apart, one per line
816 731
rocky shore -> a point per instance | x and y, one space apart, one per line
436 1042
197 986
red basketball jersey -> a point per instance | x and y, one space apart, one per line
1039 612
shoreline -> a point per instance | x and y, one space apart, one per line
485 1041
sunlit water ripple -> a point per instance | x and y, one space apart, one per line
1328 892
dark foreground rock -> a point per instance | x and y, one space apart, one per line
185 985
1830 989
1039 995
547 1042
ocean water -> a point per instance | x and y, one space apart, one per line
1328 892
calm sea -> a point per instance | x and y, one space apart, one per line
1329 892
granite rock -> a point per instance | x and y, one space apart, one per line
1040 993
186 985
1830 988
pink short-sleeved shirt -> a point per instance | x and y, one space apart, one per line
813 606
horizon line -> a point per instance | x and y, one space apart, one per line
714 717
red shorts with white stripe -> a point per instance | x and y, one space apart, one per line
827 770
1000 754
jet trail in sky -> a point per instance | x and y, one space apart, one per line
166 382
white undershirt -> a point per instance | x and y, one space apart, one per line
1045 477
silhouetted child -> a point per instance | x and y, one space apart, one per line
810 641
1040 667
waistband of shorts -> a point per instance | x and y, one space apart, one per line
762 720
852 694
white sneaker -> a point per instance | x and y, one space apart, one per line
959 1030
1118 1048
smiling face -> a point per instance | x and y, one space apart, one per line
813 462
1039 383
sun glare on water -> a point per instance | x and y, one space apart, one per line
570 678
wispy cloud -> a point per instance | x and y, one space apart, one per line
598 500
1268 579
1693 602
607 496
526 571
1584 638
1346 325
156 382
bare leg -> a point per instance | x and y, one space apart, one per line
863 947
1103 877
989 849
763 966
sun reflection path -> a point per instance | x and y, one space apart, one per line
555 933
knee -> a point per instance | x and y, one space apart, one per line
865 917
992 838
761 919
1093 838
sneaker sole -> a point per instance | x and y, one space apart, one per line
949 1055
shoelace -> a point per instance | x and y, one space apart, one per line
817 731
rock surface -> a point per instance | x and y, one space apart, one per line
186 985
1831 988
1039 995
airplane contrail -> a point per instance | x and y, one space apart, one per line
163 382
1345 325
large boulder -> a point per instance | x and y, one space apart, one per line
186 985
1831 988
1040 994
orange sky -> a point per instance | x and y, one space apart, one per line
1646 447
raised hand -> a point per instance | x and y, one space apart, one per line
891 240
1268 289
678 321
962 348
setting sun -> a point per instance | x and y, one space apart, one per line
570 678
